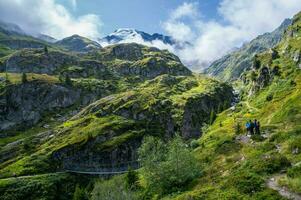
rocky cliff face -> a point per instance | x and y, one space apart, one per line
151 110
38 61
25 104
77 43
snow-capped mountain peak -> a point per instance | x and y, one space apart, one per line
126 35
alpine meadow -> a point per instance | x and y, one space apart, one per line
209 109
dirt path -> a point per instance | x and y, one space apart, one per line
249 106
283 191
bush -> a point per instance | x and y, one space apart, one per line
256 62
227 146
24 78
267 195
68 80
194 144
248 182
253 76
270 163
270 97
257 138
132 179
294 172
80 194
212 117
113 189
237 128
167 167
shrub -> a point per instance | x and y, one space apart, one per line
267 195
248 182
237 128
24 78
113 189
212 117
194 144
227 146
270 97
257 138
46 50
253 76
167 167
270 163
80 194
132 179
68 80
256 62
294 172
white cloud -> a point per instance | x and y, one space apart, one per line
185 10
177 28
73 4
242 20
49 17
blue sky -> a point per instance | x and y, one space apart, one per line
213 27
145 15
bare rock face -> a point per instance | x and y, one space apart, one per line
24 104
153 67
37 61
127 52
197 110
264 77
92 157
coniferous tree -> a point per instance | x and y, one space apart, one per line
46 50
219 108
212 117
24 78
131 179
68 80
6 78
225 105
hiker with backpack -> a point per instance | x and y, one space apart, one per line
252 127
257 127
248 127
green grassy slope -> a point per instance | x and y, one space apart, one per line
237 167
125 116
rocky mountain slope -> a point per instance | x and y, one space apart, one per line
231 66
85 110
78 44
236 166
63 107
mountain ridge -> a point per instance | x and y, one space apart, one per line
233 64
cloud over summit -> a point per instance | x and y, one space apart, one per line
241 21
49 17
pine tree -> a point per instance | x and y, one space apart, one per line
212 117
24 78
46 50
7 78
225 105
131 179
68 80
219 108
